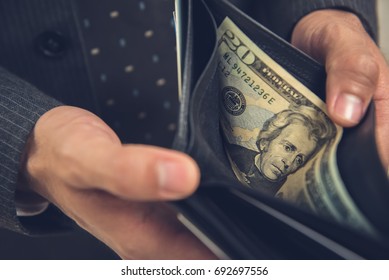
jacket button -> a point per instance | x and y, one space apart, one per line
52 44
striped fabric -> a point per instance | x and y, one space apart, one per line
21 105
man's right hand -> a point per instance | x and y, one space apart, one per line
356 69
113 191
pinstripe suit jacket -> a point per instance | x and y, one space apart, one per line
40 82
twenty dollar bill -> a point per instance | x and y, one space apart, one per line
277 134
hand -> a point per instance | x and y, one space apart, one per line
76 161
356 70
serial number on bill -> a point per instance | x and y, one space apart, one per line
227 70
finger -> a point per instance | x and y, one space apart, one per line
352 77
136 230
136 172
338 39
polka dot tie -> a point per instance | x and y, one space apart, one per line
130 49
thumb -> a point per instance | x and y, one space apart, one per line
339 40
74 148
352 77
138 172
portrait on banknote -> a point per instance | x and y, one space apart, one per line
285 142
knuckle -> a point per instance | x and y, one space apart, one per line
66 159
356 72
65 150
134 174
130 175
363 72
116 179
353 21
347 24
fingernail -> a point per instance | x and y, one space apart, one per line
349 107
169 183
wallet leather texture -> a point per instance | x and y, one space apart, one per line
233 220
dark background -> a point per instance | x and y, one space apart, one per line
75 245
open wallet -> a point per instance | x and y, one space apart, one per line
340 203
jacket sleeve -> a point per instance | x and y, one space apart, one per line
21 105
281 16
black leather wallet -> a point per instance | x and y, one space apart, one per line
234 221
